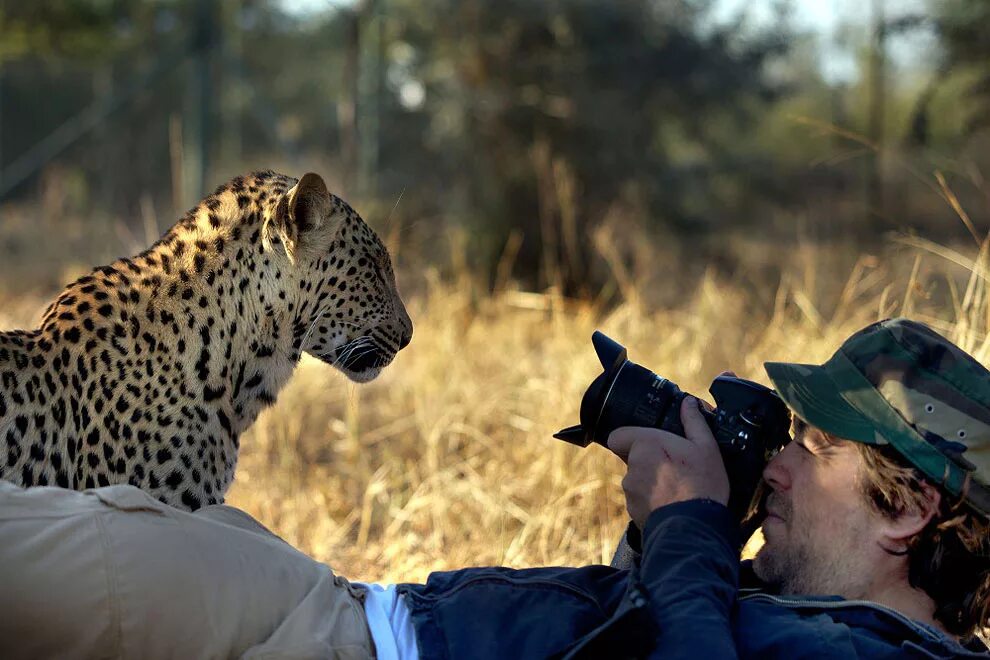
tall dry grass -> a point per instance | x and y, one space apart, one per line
447 459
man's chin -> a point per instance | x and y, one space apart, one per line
767 565
786 568
762 568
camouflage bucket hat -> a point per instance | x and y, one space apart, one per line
898 382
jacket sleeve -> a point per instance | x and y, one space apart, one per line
690 573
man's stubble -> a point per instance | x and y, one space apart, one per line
798 558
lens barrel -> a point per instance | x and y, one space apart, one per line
636 397
624 394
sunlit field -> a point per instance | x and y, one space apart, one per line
447 459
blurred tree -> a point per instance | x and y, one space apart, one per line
553 111
95 30
64 60
964 27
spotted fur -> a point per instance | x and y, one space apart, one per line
147 371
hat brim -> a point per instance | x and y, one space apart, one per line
813 396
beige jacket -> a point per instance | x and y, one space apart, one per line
113 573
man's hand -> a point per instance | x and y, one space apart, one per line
665 468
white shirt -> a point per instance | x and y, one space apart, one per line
390 622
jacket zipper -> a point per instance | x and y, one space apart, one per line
838 605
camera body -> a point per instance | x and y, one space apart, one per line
749 422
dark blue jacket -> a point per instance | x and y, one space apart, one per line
682 601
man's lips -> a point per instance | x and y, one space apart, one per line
774 514
772 525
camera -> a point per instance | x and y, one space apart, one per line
749 422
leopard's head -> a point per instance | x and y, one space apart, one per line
345 306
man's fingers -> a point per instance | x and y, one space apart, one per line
695 427
620 441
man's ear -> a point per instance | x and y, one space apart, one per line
897 532
306 205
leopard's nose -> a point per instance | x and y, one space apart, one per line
405 339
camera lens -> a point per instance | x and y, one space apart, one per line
638 397
624 394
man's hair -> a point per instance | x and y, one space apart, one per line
950 558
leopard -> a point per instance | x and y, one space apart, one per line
147 371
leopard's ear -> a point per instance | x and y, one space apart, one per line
303 210
309 202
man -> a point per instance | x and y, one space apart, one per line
876 546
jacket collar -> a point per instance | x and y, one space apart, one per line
882 620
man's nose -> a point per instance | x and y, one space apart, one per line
776 472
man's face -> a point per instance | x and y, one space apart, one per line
820 532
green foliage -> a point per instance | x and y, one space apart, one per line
527 126
91 29
965 31
610 100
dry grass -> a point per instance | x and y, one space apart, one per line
447 459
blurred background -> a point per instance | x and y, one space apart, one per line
529 125
713 182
